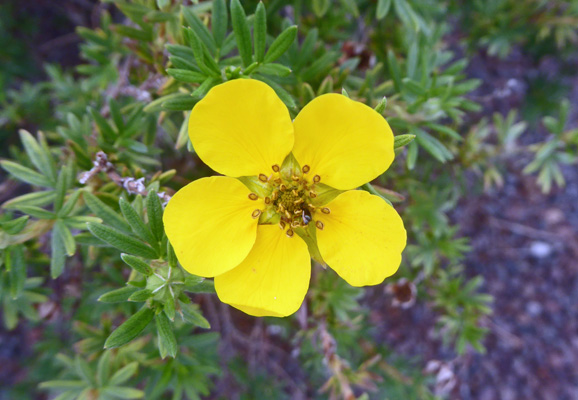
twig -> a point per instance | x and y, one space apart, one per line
130 184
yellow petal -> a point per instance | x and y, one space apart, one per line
362 238
241 128
345 142
272 280
210 226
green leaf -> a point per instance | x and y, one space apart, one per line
192 316
103 211
26 174
402 140
167 340
16 264
260 32
394 70
274 69
15 226
124 243
123 374
180 102
140 295
155 214
432 145
219 21
122 392
67 240
108 134
61 187
184 75
37 199
281 44
199 29
118 295
136 223
383 7
58 255
380 107
103 368
130 329
320 7
137 264
40 157
69 204
62 384
36 212
242 32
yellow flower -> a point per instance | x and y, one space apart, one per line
287 196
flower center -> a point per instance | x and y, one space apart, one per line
290 198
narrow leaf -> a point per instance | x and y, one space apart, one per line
121 241
281 44
166 335
242 33
260 32
137 264
130 329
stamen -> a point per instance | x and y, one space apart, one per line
253 196
267 200
316 179
297 212
295 192
319 225
312 195
282 187
263 178
256 214
298 201
305 169
325 210
275 195
282 225
289 233
276 168
287 214
295 178
278 181
281 208
295 223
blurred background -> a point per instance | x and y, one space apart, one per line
523 231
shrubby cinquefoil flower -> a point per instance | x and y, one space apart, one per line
287 196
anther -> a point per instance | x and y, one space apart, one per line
325 210
297 212
312 195
256 214
298 201
316 179
288 214
263 178
281 208
305 169
319 225
282 225
253 196
295 223
267 200
289 233
282 187
295 192
295 178
278 181
275 195
276 168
